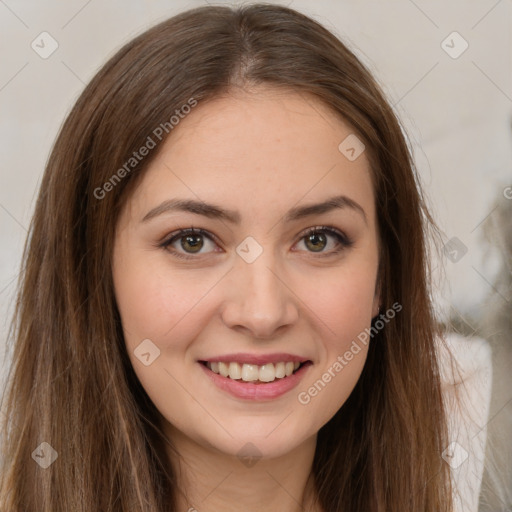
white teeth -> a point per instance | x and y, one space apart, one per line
235 372
252 372
267 373
223 369
280 371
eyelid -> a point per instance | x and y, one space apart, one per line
328 229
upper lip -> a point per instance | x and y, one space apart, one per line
257 359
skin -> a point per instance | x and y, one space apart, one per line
259 152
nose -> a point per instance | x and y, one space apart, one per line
259 300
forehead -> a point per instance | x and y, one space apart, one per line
257 150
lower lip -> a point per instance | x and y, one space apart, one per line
251 391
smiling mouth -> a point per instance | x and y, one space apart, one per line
255 374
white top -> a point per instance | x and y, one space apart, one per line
468 414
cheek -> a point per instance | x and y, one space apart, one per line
153 303
342 301
342 306
164 308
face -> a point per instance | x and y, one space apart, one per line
264 278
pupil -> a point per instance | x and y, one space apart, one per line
194 241
315 237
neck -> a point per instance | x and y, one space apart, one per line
209 480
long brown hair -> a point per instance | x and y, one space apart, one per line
71 383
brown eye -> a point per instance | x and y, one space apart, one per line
192 243
316 241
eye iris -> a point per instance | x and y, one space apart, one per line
315 237
195 241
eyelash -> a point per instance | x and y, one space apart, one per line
344 242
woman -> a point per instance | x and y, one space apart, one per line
225 297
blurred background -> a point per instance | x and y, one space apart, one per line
446 68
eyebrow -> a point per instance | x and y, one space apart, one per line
213 211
